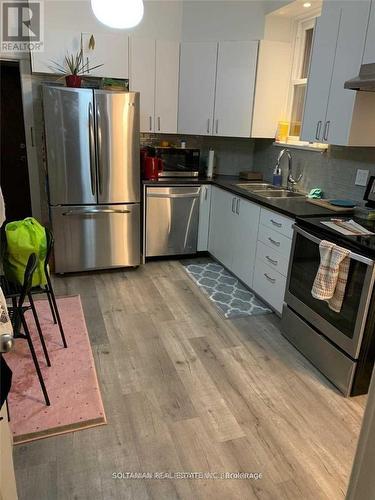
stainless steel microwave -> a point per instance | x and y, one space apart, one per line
178 162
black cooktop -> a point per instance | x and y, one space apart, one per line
364 245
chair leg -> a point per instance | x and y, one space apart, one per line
38 327
53 298
35 359
48 292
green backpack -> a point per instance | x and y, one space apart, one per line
24 237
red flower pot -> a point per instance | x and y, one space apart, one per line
73 81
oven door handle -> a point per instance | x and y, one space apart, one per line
352 255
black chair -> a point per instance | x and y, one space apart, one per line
14 289
17 317
48 289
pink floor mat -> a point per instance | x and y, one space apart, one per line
71 381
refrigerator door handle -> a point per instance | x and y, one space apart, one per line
99 149
93 211
92 150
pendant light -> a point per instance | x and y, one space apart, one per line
120 14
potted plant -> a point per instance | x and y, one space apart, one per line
73 67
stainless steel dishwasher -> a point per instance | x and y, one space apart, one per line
171 220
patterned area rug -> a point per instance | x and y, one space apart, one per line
228 294
71 381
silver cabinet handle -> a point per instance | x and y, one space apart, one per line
275 223
272 261
205 193
238 206
208 126
272 280
92 149
94 211
233 205
150 123
159 123
274 242
217 126
32 136
326 130
318 129
99 149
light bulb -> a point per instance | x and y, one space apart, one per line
118 13
307 5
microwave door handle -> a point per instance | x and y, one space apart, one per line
314 239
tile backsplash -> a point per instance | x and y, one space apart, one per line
231 154
334 171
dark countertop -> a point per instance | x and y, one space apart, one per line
292 207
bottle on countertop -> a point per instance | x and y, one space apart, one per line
277 178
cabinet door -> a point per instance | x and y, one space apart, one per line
197 87
220 243
235 83
244 240
349 51
204 218
322 61
142 79
166 86
57 44
110 50
369 53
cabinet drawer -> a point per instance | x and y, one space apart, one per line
269 284
275 240
278 222
272 258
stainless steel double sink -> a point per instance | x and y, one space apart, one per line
267 190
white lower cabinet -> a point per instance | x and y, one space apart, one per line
270 285
204 218
242 237
233 233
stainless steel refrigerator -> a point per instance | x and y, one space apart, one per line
92 141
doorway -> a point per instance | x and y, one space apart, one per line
14 174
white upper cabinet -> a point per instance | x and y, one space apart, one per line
57 45
217 88
272 86
235 81
369 54
154 73
166 86
197 87
322 61
142 79
111 50
331 111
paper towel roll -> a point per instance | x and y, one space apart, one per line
210 163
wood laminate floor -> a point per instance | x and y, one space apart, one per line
186 390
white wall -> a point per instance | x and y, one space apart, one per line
214 20
162 18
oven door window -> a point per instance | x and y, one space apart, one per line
306 260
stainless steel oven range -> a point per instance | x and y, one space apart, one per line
341 345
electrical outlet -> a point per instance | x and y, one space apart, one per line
361 177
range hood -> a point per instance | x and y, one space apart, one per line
365 81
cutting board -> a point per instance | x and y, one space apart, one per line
326 204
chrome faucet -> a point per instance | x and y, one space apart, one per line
291 181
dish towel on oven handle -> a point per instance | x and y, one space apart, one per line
330 280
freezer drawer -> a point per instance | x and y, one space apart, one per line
96 237
172 216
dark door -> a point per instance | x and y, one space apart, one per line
14 175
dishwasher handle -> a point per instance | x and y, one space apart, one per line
172 195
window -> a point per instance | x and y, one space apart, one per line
300 72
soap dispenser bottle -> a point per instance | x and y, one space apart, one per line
277 177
